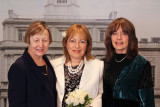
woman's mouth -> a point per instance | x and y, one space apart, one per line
76 51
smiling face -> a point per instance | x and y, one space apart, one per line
76 46
39 44
120 41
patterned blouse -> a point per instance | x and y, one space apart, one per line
72 82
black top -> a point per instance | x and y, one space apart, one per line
112 71
116 69
72 82
49 75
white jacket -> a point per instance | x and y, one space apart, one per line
91 80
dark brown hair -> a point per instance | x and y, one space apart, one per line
128 28
37 27
78 28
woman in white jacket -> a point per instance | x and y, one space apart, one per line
77 68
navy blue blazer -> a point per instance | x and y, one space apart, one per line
28 87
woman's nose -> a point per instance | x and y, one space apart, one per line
77 45
119 36
41 43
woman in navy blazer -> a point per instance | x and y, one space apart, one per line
32 80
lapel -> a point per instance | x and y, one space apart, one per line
126 70
122 74
59 69
87 73
58 65
31 65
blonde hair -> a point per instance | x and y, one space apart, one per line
37 27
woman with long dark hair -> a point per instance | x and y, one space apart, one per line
127 80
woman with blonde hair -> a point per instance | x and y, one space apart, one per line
32 80
77 68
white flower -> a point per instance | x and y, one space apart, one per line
81 100
70 100
77 98
84 94
64 34
76 101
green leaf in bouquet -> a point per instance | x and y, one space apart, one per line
71 105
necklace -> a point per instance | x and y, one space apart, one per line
46 71
74 71
120 60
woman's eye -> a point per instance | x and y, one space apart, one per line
72 40
35 40
124 34
114 34
82 41
45 41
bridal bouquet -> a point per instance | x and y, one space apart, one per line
78 98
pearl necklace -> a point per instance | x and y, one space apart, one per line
74 71
120 60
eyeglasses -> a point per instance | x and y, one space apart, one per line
119 33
